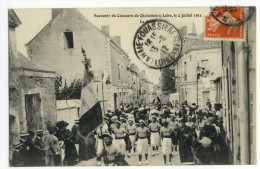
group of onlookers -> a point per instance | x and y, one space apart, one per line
55 148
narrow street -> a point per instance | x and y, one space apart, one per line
96 82
156 160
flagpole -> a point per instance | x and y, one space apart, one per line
103 96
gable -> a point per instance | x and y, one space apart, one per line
13 18
63 16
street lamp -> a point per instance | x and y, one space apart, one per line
198 76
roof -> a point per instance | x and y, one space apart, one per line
111 40
43 28
200 43
26 63
144 76
121 49
13 18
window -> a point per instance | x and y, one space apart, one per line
68 40
185 71
204 63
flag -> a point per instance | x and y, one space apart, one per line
206 81
90 110
106 78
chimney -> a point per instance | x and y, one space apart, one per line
55 12
105 29
184 31
117 39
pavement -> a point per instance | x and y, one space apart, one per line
156 160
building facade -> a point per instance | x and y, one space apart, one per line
237 88
31 91
196 69
58 46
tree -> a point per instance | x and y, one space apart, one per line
167 80
72 91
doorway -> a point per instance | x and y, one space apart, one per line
33 112
115 101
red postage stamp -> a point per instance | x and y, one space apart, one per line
225 23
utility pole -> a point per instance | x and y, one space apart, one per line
198 76
197 84
103 98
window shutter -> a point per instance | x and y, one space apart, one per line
74 39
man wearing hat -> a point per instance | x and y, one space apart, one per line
120 134
166 132
189 122
18 158
142 133
112 154
113 125
123 121
154 128
41 145
53 150
75 135
36 147
62 127
175 137
102 129
131 129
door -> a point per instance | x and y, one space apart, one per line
115 101
33 112
206 97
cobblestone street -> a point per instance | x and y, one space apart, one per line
156 160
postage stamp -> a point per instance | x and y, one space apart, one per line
225 23
157 43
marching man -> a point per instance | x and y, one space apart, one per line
102 129
154 128
166 141
120 134
111 154
131 129
142 133
113 126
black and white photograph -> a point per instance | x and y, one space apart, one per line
124 86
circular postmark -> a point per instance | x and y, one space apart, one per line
157 43
232 16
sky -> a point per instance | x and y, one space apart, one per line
33 20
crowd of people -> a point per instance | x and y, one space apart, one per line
56 148
195 133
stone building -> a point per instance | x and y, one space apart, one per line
200 59
237 94
58 46
168 79
31 91
147 91
197 56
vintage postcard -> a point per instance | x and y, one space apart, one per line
132 86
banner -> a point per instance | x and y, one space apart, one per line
90 110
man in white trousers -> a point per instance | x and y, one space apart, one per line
131 129
142 133
154 128
102 129
166 141
120 134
